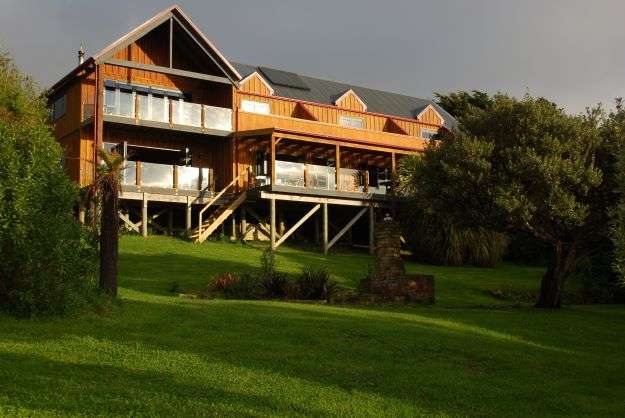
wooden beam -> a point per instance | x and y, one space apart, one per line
325 229
337 163
188 215
272 223
298 224
170 71
273 160
347 227
129 224
371 230
144 216
313 199
171 42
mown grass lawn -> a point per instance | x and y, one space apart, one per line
158 354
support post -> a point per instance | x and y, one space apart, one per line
144 216
189 212
170 222
337 163
243 223
233 226
81 213
371 230
325 228
273 160
272 223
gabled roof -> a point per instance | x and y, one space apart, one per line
421 111
260 77
378 101
174 12
348 92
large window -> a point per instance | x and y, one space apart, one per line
120 102
428 133
351 122
255 107
59 107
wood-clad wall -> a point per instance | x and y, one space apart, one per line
207 152
256 90
254 84
430 116
330 114
351 102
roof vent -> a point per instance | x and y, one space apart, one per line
81 54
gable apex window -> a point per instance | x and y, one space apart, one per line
255 107
351 122
59 107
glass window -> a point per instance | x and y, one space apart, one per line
351 122
428 133
110 101
255 107
60 107
126 103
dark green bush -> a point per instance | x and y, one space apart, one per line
47 261
278 286
315 284
248 286
436 239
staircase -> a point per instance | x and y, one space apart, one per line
207 226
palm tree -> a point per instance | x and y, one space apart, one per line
108 185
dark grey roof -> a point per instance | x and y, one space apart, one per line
377 101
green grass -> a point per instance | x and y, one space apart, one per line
157 354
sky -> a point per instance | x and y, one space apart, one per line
569 51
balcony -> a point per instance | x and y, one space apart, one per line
165 176
130 107
318 177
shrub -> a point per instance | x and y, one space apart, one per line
278 285
48 259
315 284
248 286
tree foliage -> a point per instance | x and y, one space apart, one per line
46 258
525 165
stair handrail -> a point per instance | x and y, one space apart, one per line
215 198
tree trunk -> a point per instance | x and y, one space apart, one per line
558 268
109 230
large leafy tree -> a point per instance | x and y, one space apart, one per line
46 258
522 165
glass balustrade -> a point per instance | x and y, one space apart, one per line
129 175
157 175
189 178
185 113
154 108
217 118
350 180
321 177
289 174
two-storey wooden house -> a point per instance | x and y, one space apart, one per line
207 140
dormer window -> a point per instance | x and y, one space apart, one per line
255 107
351 122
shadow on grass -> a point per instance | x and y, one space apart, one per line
401 356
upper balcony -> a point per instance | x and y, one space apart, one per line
152 107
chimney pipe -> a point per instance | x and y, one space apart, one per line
81 54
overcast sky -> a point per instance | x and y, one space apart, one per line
572 52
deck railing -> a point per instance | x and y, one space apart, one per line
165 110
166 176
322 177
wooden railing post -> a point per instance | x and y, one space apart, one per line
138 174
337 157
175 176
366 180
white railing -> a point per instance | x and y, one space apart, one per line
167 176
162 109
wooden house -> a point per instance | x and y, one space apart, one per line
211 145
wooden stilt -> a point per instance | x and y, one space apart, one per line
144 216
325 228
170 221
272 222
189 213
233 227
243 223
81 213
371 230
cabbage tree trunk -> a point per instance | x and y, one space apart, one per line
558 269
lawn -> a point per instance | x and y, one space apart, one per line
156 353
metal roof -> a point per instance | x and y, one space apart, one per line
326 92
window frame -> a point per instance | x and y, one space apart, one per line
252 106
348 122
